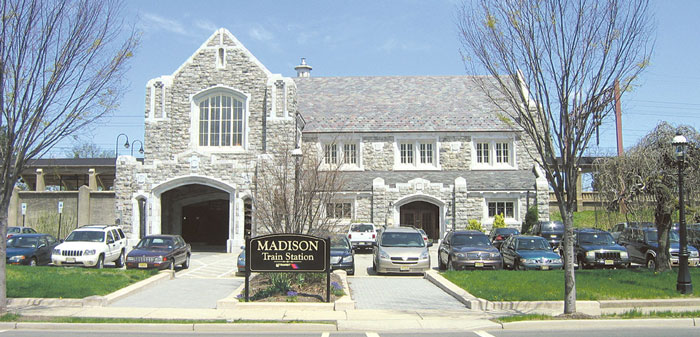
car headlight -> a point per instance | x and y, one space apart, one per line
90 251
590 254
495 256
348 258
524 260
556 261
17 258
130 259
460 255
424 255
383 255
694 253
159 259
624 255
57 252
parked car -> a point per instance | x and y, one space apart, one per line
468 250
401 250
362 235
30 249
240 262
160 252
425 236
522 252
597 248
342 256
498 235
642 246
14 230
552 231
618 228
92 246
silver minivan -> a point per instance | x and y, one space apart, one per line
401 250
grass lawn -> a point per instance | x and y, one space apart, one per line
632 314
603 284
58 282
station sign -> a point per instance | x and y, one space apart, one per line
288 253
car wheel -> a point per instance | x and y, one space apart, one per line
186 264
441 266
120 260
32 262
374 266
517 266
100 262
651 263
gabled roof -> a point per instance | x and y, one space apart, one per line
396 103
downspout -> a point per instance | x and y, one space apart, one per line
371 205
264 123
454 207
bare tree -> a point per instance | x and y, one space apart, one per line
553 65
88 150
647 177
61 67
292 193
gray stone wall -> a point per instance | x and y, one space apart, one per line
455 152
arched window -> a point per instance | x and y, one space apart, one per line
221 120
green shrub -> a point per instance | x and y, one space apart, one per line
280 283
530 219
499 221
474 225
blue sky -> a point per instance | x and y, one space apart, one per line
378 38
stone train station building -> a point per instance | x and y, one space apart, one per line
424 151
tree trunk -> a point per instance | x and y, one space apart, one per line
568 248
4 206
663 225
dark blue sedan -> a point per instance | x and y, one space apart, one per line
30 249
342 256
160 252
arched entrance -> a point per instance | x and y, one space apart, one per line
421 214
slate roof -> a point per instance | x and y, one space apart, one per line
504 180
395 103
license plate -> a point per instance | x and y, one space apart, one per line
544 267
478 264
609 262
143 265
553 236
404 268
70 259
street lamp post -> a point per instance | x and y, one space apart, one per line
684 284
299 124
132 147
116 144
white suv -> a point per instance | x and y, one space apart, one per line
92 246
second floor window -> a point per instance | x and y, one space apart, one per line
482 153
502 153
330 154
406 153
220 121
350 154
426 153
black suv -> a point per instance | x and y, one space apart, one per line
597 248
552 231
642 246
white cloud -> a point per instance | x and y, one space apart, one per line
206 25
260 34
159 22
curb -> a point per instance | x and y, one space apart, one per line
93 301
599 324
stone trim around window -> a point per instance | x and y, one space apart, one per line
416 153
340 209
493 153
219 120
346 153
509 207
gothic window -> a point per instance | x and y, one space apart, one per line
221 120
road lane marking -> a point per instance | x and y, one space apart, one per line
482 333
371 334
325 334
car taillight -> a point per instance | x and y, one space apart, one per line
349 236
499 238
9 236
374 236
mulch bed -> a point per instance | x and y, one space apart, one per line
307 292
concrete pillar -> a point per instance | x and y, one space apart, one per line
40 185
83 206
462 216
14 208
92 181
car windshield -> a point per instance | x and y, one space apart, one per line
470 240
532 244
339 243
91 236
155 243
653 236
507 231
362 228
13 230
601 239
402 240
22 242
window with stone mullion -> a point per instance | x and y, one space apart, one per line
204 123
214 120
482 153
502 153
226 121
330 154
406 153
350 154
426 153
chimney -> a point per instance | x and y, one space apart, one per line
303 70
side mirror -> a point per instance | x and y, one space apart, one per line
61 240
41 246
430 244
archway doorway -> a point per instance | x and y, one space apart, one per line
422 214
199 213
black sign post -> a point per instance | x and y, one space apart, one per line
287 253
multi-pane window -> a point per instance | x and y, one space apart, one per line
339 210
426 153
502 153
501 207
350 154
330 153
220 121
482 153
406 153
